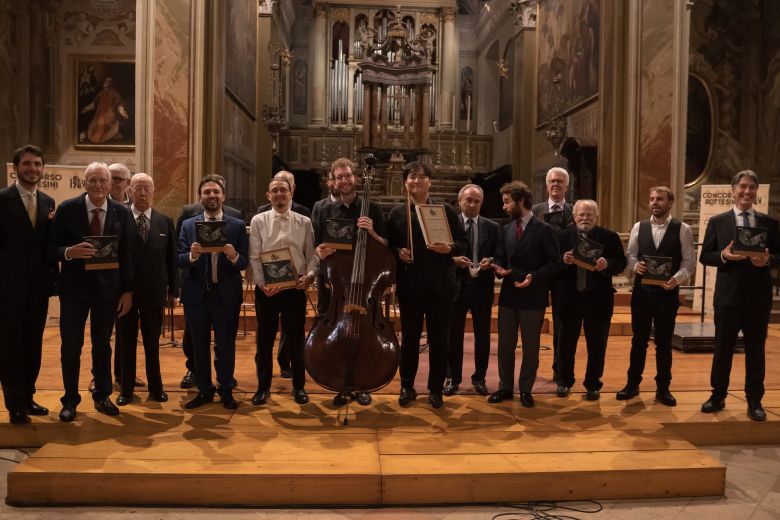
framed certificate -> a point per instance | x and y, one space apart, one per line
278 268
211 235
107 255
434 224
338 233
659 270
586 253
749 241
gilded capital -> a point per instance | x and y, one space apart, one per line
320 9
448 14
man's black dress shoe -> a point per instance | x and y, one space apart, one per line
107 407
407 394
19 417
123 400
526 399
592 395
362 398
450 388
35 409
756 411
480 387
300 395
91 387
188 381
162 397
562 391
260 397
500 395
713 404
199 401
436 400
340 399
628 392
665 397
229 402
68 412
286 373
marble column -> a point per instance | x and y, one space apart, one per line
366 114
407 116
383 119
448 67
418 109
425 117
318 62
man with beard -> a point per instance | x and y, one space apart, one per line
586 298
212 292
348 206
654 305
323 292
476 292
101 294
526 258
426 285
743 294
26 282
557 182
278 228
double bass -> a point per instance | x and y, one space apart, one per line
353 348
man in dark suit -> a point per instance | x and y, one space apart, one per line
189 211
101 294
526 258
557 212
323 292
26 282
586 298
283 354
212 292
743 294
154 265
426 285
475 293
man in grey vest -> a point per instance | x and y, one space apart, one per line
660 235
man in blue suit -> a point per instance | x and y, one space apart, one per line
101 294
212 293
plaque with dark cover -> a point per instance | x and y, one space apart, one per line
278 268
750 241
211 235
107 255
556 219
338 233
659 270
586 253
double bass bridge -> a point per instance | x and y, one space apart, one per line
353 307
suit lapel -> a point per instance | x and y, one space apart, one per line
17 207
84 218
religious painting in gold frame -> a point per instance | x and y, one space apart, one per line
105 104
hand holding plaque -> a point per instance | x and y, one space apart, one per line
434 224
750 241
211 235
278 269
586 253
658 270
106 253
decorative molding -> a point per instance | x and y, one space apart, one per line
448 14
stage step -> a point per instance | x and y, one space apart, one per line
467 452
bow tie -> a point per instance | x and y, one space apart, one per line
283 216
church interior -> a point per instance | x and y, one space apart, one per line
624 94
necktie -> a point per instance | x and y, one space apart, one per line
95 228
518 229
555 208
31 209
582 275
213 259
143 226
745 219
472 239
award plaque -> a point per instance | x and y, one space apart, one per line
278 268
750 241
434 224
211 235
338 233
107 255
659 270
586 253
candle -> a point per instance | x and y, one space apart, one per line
468 113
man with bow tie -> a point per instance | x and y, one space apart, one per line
154 264
212 292
26 281
278 228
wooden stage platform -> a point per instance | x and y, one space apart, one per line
467 452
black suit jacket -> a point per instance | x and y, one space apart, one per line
295 207
487 238
25 267
599 282
543 208
71 225
536 253
154 262
740 284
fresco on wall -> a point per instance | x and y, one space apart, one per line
569 36
241 51
105 94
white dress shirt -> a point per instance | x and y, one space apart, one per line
271 230
658 231
751 216
551 203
